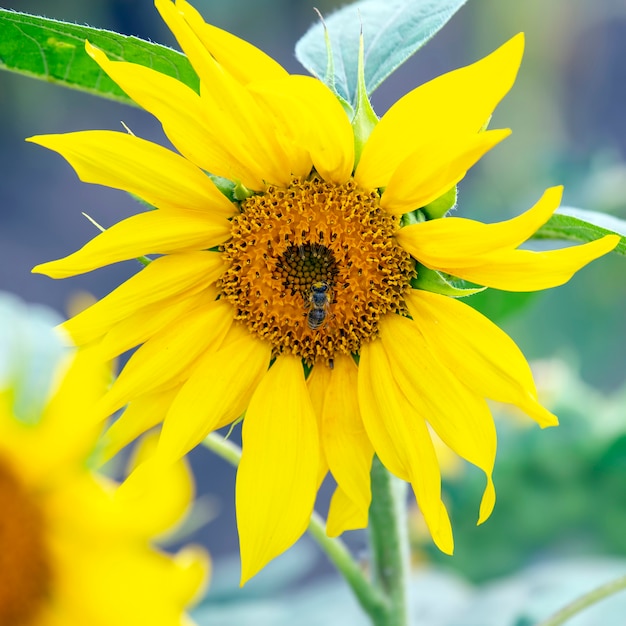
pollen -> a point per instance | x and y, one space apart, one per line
313 267
25 573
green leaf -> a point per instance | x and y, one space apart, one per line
393 31
439 207
499 305
55 51
579 225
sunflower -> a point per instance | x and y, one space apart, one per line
292 300
71 552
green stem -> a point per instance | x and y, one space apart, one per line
390 543
580 604
368 596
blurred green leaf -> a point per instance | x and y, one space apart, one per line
55 51
560 490
393 30
579 225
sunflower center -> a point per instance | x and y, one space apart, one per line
24 564
313 267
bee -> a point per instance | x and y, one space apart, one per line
320 297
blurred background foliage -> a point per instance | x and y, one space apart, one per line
561 491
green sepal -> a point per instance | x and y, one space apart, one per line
241 192
571 224
329 78
442 205
225 186
444 284
233 424
364 118
412 217
393 31
141 201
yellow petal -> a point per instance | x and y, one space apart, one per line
459 242
432 112
277 476
459 417
346 444
153 232
150 320
122 161
316 121
525 270
344 515
217 392
290 121
401 439
140 416
243 60
317 383
481 355
486 254
230 106
166 359
429 172
130 574
167 500
165 277
184 117
67 432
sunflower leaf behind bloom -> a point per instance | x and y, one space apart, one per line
570 224
54 51
392 30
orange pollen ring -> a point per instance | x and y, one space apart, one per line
25 572
313 267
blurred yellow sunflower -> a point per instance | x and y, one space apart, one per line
309 272
71 553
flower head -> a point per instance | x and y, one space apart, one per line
70 551
306 264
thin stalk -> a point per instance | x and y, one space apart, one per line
369 597
583 602
390 544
